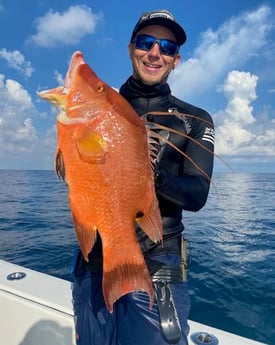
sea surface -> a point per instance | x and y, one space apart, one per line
231 244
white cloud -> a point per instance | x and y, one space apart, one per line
59 78
239 132
22 146
17 133
16 95
17 61
240 90
229 47
26 132
66 28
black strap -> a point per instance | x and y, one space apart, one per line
169 322
153 265
168 274
161 272
162 275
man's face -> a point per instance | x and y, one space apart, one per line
152 67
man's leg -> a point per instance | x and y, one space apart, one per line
93 322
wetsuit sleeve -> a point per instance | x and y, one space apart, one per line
189 189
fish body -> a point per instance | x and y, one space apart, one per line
102 153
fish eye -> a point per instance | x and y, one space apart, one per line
100 87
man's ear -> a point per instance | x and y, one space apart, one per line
176 61
131 50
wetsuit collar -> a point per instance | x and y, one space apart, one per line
133 88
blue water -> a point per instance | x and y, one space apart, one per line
231 244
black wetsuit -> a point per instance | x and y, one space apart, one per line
180 184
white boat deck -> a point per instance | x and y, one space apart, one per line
37 310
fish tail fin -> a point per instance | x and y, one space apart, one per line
124 279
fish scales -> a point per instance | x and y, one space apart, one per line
102 153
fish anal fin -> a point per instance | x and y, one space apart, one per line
91 148
86 238
150 222
125 279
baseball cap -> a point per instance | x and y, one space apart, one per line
162 18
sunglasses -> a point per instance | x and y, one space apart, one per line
146 42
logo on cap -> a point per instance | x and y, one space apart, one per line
161 14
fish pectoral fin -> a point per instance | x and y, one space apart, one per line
59 164
91 148
86 238
150 222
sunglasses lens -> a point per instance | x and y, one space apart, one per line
146 42
168 47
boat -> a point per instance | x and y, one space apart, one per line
36 309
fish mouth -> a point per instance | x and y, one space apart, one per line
76 60
58 96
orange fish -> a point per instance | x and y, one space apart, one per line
103 155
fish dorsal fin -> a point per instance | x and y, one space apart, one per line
91 148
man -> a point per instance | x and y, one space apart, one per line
182 183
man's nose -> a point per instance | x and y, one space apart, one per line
155 50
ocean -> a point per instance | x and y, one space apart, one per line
231 244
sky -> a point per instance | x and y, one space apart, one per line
227 67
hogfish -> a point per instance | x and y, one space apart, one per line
103 155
